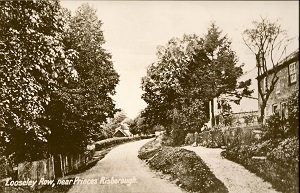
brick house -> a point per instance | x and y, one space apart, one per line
288 83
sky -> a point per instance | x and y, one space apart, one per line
134 29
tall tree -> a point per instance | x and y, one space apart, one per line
165 85
268 42
188 73
224 71
34 64
80 108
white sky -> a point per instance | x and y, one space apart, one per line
133 30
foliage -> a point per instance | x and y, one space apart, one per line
108 129
275 127
56 79
293 114
139 126
188 73
87 101
282 126
34 65
268 42
286 153
249 118
212 139
113 141
279 145
280 168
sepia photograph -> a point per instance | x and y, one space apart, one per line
141 96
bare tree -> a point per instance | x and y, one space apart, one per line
268 42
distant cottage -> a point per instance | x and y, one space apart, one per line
122 131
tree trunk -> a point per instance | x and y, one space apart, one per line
212 114
262 112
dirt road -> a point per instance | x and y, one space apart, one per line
121 171
235 177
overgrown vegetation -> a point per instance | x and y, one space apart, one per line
190 72
278 150
184 166
217 137
56 79
113 141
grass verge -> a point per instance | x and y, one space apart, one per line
184 167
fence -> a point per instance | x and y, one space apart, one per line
36 170
50 168
55 166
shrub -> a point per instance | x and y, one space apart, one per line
189 139
281 166
286 153
275 127
293 114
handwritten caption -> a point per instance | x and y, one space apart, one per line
74 181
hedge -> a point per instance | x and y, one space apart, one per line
113 141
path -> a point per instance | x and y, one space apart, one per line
122 163
235 177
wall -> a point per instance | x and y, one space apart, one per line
226 136
283 89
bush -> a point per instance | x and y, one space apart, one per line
275 128
286 153
281 166
189 139
293 114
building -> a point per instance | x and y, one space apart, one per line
240 113
122 131
287 72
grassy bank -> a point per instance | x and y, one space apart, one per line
183 166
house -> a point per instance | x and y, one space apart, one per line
240 113
123 131
288 82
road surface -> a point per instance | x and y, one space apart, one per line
121 171
234 176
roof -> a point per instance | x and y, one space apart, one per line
124 126
124 129
294 56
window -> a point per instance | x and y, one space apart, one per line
274 109
292 73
